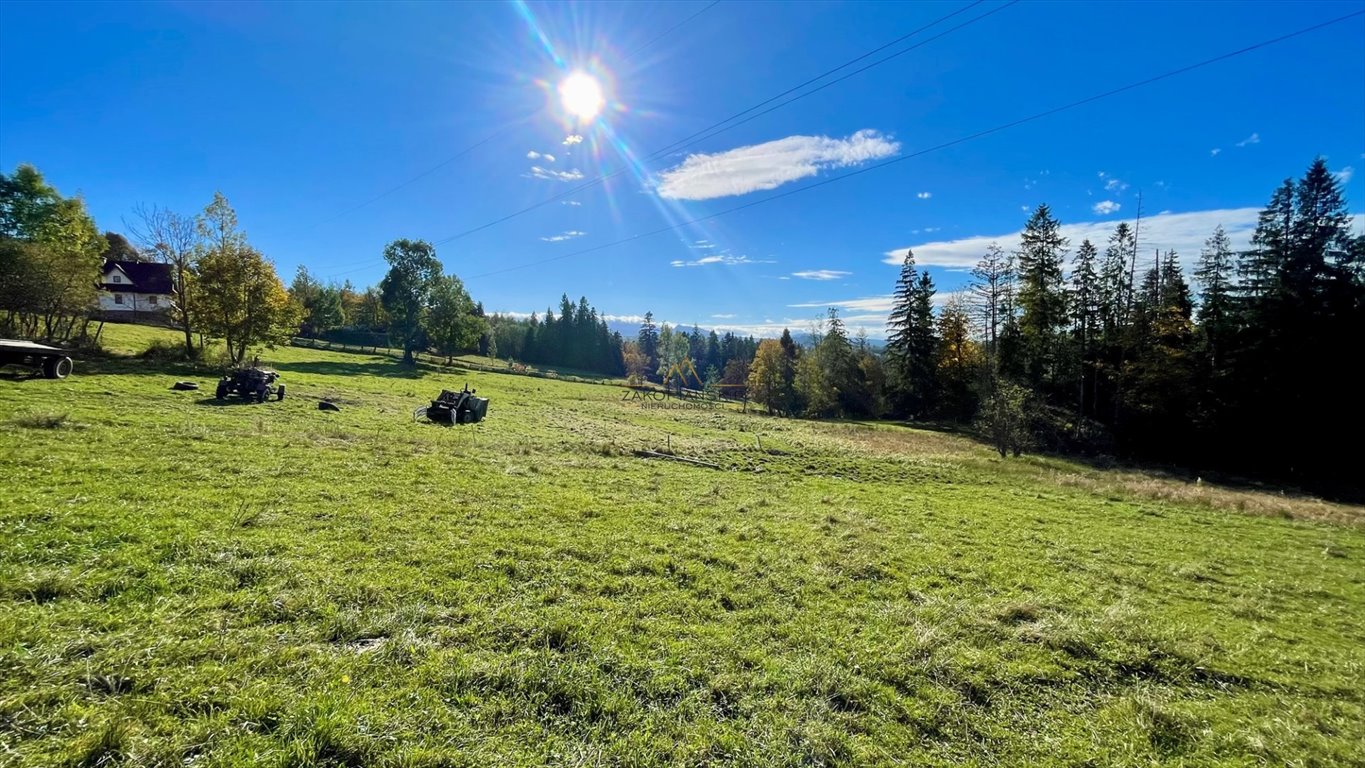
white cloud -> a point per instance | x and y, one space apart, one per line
1254 138
1344 175
769 165
574 203
932 229
1105 207
925 195
1183 232
1214 152
1114 185
572 139
723 316
571 234
534 155
549 175
703 245
724 259
623 318
821 274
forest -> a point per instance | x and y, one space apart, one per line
1093 348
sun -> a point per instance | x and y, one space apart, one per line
581 95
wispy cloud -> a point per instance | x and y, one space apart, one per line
1254 138
534 155
1214 152
1345 175
551 175
821 274
1112 184
572 139
570 235
724 259
867 304
623 318
1183 232
924 195
703 245
769 165
1106 207
723 316
574 203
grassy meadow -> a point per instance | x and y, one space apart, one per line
184 582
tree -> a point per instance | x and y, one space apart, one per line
119 249
172 238
452 325
242 301
993 287
407 290
910 343
1085 312
1042 300
1004 418
959 359
1215 274
765 383
648 340
637 365
675 366
51 260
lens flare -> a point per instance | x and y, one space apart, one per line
581 95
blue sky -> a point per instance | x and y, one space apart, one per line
302 112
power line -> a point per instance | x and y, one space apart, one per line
496 134
717 128
962 140
669 31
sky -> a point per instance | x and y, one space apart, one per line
334 129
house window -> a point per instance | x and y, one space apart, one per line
118 298
151 300
118 279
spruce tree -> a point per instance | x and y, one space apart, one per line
1042 299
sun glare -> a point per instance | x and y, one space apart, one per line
581 96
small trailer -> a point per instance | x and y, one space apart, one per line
53 362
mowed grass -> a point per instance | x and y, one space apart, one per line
188 583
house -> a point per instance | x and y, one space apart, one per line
135 290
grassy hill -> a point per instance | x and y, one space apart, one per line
184 582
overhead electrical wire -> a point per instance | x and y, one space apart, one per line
719 127
936 148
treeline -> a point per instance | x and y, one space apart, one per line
689 360
1115 351
577 337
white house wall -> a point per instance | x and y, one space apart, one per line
133 302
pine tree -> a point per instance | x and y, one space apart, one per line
1042 299
910 339
1085 312
648 340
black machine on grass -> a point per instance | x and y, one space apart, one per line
52 362
251 382
455 407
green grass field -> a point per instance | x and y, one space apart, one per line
189 583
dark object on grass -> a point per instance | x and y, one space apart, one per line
456 407
251 382
185 386
53 362
324 405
